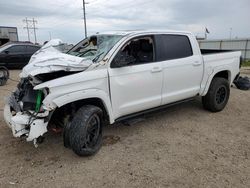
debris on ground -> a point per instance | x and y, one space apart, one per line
242 83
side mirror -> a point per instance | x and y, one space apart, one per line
122 60
6 52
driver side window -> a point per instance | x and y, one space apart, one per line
137 51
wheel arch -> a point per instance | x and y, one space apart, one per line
220 73
223 74
88 97
95 102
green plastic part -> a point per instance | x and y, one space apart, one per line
38 100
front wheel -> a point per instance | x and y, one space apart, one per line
85 134
218 94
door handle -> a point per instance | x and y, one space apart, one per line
156 69
197 63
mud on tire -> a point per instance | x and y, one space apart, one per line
85 132
218 94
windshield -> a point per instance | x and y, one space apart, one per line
95 47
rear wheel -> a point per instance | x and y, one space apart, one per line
218 94
85 132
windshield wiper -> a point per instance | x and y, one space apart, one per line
97 57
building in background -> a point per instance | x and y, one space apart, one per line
8 34
242 45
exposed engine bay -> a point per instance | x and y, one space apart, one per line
25 98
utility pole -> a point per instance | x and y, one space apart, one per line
49 35
230 33
27 27
84 17
34 28
30 25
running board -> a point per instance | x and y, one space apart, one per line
137 114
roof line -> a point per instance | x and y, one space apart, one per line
7 27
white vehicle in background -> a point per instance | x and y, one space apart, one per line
113 77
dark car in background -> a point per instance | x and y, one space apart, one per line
16 55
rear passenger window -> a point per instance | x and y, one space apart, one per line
32 49
172 47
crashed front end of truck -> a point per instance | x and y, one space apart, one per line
24 112
53 85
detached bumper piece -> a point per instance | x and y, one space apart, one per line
26 125
23 114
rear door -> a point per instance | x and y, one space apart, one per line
182 67
137 86
30 51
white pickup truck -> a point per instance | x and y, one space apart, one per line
112 77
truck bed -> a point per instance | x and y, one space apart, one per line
217 60
213 51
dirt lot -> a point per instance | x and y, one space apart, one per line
184 146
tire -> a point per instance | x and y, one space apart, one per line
66 136
4 75
218 94
85 132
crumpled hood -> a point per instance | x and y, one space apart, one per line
49 59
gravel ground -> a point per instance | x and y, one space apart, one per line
184 146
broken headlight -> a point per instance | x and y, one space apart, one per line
27 97
32 100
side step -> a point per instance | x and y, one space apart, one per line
129 117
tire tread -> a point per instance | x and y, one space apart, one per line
78 129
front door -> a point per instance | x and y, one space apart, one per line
135 86
15 56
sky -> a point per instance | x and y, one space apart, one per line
64 19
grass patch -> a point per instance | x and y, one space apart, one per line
246 63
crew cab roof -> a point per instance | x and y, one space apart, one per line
134 32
